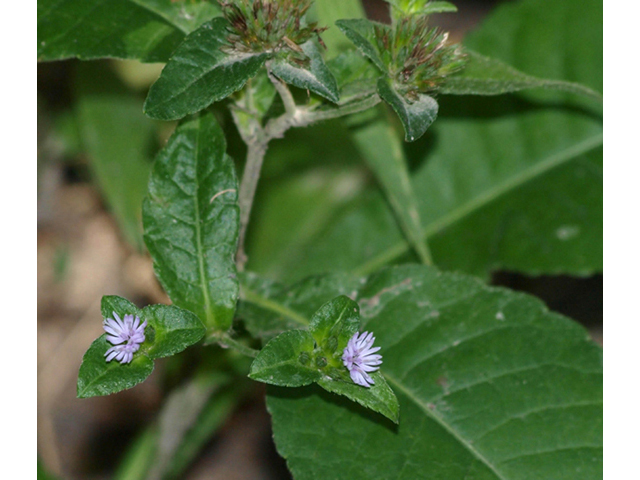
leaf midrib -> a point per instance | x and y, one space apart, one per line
479 201
296 317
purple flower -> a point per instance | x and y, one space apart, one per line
126 335
359 358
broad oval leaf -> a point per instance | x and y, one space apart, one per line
315 77
287 360
191 222
174 329
491 385
338 319
199 73
146 30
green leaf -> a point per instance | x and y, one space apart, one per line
199 73
379 397
146 30
491 384
511 182
267 309
299 357
99 377
175 329
316 77
169 331
287 360
416 116
488 76
191 219
361 32
355 75
117 138
422 7
334 324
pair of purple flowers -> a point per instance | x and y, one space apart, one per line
127 335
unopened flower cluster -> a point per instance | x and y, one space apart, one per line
270 26
417 55
126 335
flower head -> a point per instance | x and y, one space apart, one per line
126 336
359 358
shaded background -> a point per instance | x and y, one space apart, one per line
83 254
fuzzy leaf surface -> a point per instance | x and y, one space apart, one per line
361 33
146 30
491 384
316 77
191 221
199 73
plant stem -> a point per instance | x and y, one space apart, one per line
225 341
255 155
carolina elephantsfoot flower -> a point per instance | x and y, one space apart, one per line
359 358
126 336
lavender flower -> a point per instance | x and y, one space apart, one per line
118 331
359 358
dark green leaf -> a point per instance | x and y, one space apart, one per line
488 76
117 138
191 220
146 30
361 32
199 73
287 360
174 329
490 383
416 116
99 377
315 77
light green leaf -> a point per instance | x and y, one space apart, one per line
361 32
382 149
415 116
327 12
355 75
146 30
488 76
191 221
287 360
117 138
511 182
490 383
199 73
316 77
